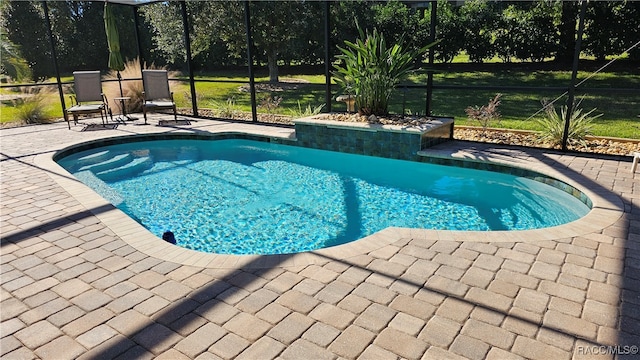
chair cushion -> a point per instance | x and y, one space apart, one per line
159 104
85 108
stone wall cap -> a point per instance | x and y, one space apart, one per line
427 126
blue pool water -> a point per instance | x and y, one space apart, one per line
252 197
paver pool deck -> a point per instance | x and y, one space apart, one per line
80 280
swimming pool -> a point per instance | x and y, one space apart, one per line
254 197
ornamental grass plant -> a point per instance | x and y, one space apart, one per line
227 109
309 110
31 107
130 88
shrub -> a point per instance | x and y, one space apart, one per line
485 114
370 70
270 103
553 124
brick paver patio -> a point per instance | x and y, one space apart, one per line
77 285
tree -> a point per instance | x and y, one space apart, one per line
13 64
275 24
479 19
167 32
630 20
346 16
526 31
543 38
510 36
449 28
79 31
399 23
283 32
611 27
307 47
292 32
567 32
167 38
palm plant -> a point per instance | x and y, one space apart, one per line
370 70
12 63
553 124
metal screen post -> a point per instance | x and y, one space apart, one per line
54 54
574 75
136 22
187 42
432 38
252 83
327 55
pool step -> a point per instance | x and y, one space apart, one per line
93 158
104 190
109 163
136 166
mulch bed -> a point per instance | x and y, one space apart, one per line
596 145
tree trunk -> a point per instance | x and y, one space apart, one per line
567 29
272 60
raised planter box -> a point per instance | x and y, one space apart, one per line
390 141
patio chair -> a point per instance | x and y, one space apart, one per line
88 97
157 95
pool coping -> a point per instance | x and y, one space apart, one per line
606 209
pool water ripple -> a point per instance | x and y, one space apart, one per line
250 197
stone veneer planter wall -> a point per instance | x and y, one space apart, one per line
390 141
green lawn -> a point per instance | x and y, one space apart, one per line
307 90
518 107
16 105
